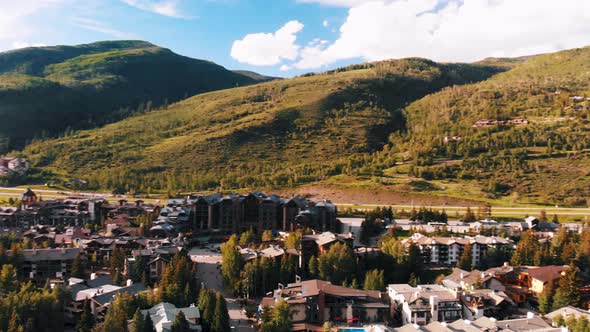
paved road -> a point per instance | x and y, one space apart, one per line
208 271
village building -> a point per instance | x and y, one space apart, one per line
448 250
315 301
424 304
163 315
42 264
531 323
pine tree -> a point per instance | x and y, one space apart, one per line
148 324
77 268
313 268
8 281
374 280
180 323
86 322
14 323
221 317
138 322
115 319
567 292
546 298
465 260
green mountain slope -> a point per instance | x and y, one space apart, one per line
45 91
542 160
272 134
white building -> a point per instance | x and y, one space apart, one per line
424 304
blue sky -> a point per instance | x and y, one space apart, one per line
290 37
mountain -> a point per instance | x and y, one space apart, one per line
278 133
520 136
46 91
255 76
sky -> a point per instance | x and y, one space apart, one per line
291 37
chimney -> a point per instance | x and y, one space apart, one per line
92 276
129 282
506 264
462 276
530 315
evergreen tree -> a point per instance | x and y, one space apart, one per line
231 263
137 325
267 236
567 292
221 321
180 323
77 268
279 319
465 261
313 268
115 319
86 322
526 250
338 264
374 280
546 298
148 324
8 281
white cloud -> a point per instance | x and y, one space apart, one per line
162 7
23 44
338 3
325 23
266 49
97 26
285 68
15 19
457 30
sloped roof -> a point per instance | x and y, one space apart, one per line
546 273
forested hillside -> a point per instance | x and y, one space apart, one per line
534 143
278 133
48 91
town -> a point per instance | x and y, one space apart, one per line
262 262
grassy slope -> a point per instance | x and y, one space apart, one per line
45 90
272 134
545 161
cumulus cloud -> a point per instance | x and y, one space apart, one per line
266 49
325 23
466 30
285 68
162 7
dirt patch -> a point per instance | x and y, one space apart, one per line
385 196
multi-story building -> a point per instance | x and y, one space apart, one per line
448 250
43 264
257 211
424 304
315 302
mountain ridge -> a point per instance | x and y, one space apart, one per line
48 91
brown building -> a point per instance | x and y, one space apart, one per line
316 301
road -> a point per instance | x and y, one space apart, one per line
208 271
519 211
